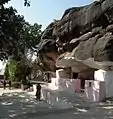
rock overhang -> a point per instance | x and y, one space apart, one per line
86 31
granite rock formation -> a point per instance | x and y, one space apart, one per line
86 32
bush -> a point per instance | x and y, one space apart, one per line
15 71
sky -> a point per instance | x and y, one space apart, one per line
45 11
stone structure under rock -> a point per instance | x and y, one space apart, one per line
81 40
86 33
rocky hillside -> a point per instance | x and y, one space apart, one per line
87 31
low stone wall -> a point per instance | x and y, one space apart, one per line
51 92
53 98
62 84
107 76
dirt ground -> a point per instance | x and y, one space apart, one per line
16 104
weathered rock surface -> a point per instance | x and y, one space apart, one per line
88 29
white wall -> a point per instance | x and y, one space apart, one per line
53 98
2 67
62 84
107 76
51 92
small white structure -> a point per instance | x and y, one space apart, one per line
2 67
107 76
54 98
94 91
60 84
61 73
62 81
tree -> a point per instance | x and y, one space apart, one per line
17 39
27 3
30 37
16 35
10 24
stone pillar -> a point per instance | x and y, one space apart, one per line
107 76
63 73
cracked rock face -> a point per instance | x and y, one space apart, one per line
86 32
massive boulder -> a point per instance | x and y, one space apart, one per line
86 32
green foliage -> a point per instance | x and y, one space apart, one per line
26 3
16 35
14 70
3 1
31 35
